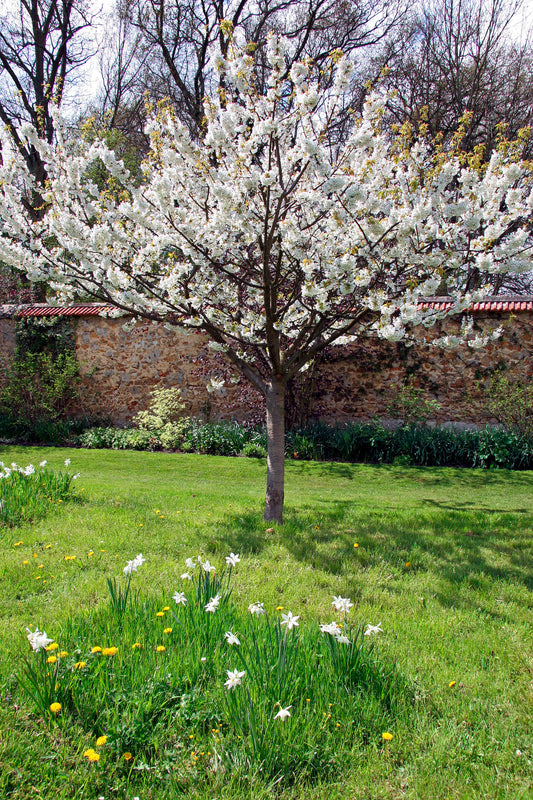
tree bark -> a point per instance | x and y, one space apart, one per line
275 417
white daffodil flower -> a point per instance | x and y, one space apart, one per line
38 639
290 620
179 598
213 604
234 678
233 559
231 638
342 639
331 628
133 566
256 608
342 603
283 713
371 629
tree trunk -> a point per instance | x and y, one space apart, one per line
275 405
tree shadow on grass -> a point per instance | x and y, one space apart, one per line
463 545
428 476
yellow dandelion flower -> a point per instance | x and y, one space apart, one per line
17 544
280 608
90 553
101 741
51 659
25 562
160 614
48 546
96 649
136 646
55 708
167 630
166 608
356 544
63 653
160 648
407 563
110 651
80 664
451 684
53 646
127 756
41 566
386 736
92 755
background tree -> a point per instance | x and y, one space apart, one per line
458 56
175 39
267 240
41 47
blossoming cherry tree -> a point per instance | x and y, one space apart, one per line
264 235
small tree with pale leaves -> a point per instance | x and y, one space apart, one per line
263 237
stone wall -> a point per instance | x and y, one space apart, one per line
363 381
7 343
119 368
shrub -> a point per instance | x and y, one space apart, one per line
254 450
353 442
511 404
411 405
40 386
166 407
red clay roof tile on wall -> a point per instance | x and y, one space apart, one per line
515 303
45 310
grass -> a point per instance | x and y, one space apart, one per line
444 560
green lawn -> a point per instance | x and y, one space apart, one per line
444 560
